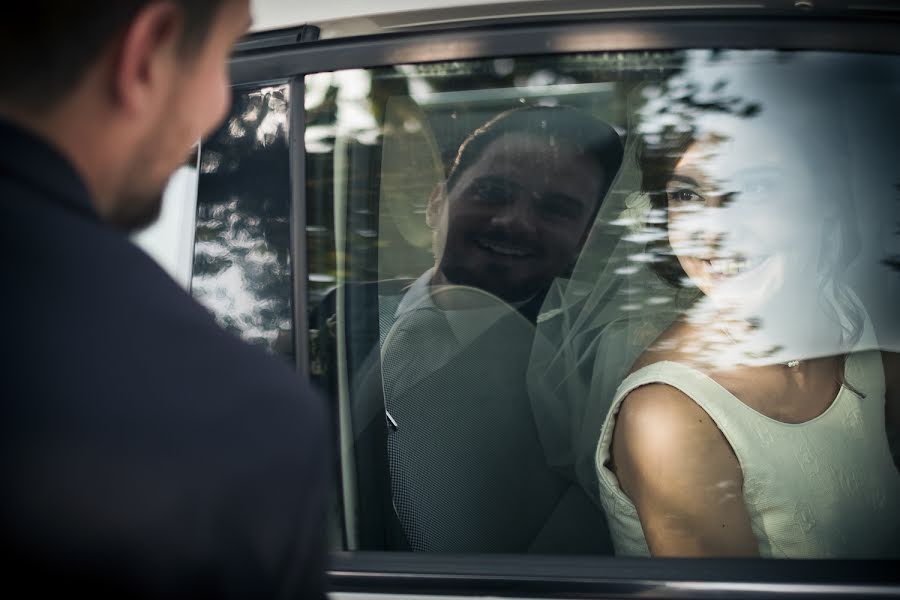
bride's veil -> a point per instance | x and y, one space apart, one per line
597 322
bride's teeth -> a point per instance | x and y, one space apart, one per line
727 266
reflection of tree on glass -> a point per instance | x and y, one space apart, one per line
755 423
241 262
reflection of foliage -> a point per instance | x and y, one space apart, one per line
675 91
692 101
241 263
673 106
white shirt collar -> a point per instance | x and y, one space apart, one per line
465 324
417 295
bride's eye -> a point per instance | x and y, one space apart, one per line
683 195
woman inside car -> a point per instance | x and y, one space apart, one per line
756 423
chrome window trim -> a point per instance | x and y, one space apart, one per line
517 576
297 154
565 37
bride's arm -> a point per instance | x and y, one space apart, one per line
891 361
682 476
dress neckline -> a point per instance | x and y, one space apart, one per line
842 390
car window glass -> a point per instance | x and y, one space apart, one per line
533 279
241 267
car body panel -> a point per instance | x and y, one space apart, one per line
361 17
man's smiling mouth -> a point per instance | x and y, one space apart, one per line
505 249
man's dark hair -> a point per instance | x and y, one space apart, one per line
46 46
565 125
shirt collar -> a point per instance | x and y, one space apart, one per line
417 295
35 162
466 325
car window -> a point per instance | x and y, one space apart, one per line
604 303
242 259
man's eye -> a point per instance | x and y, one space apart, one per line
559 209
488 193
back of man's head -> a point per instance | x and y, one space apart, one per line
47 45
121 89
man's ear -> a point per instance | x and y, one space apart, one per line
436 204
147 57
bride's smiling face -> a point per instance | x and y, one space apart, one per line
741 214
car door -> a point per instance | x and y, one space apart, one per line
466 455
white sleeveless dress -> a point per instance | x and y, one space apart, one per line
825 488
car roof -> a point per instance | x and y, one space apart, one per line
341 18
272 14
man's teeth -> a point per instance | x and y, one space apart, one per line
503 249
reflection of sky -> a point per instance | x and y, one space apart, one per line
274 119
169 240
353 87
315 88
354 115
419 88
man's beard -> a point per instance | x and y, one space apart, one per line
139 201
135 211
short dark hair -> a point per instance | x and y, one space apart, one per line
46 46
589 136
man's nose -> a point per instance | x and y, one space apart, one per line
515 216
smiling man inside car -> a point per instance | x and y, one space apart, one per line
145 451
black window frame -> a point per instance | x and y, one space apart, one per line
287 56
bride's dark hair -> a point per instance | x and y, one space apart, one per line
657 162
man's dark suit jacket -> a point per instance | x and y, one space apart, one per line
145 451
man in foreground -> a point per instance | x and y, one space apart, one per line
145 452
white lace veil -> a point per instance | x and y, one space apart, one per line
597 323
837 110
